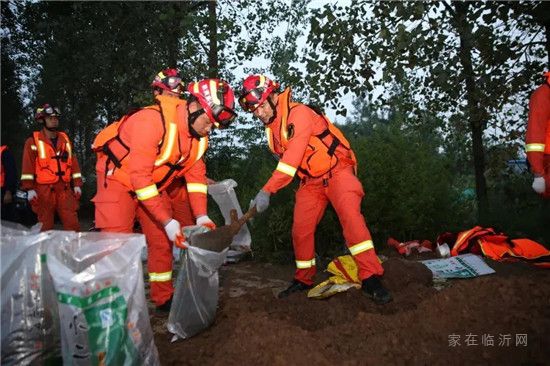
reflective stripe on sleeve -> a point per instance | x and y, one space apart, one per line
160 277
77 175
287 169
197 188
361 247
147 192
305 264
27 176
34 148
535 147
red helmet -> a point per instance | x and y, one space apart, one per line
256 89
46 111
216 98
169 79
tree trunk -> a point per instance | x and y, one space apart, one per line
213 37
475 112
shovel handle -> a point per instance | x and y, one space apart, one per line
249 214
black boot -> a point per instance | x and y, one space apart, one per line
164 308
374 289
295 286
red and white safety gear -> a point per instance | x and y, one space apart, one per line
172 158
217 100
169 79
537 139
497 246
51 164
152 148
46 111
307 149
255 90
310 146
52 172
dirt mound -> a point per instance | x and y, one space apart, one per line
253 327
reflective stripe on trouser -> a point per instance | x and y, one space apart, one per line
159 247
344 192
52 198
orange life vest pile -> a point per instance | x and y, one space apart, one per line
497 246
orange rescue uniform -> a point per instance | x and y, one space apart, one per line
309 145
52 171
538 134
162 176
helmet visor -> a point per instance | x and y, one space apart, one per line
223 115
175 84
52 111
250 100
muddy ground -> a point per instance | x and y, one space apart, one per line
502 318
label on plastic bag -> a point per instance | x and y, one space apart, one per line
97 323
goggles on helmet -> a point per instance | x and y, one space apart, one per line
249 101
51 111
223 115
174 83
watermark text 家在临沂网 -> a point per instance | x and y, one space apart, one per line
488 340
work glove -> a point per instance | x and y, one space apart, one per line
261 201
205 221
77 192
174 233
539 185
31 195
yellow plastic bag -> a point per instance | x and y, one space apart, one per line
345 277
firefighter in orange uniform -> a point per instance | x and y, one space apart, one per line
150 166
537 144
310 146
50 172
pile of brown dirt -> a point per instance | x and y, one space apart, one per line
418 327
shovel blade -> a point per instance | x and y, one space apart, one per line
222 237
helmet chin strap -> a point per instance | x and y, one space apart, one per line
191 119
274 109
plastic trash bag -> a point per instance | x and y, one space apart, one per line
98 279
224 194
30 326
196 291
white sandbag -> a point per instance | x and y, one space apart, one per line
224 194
30 325
103 314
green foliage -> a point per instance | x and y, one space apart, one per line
13 129
408 183
521 213
464 63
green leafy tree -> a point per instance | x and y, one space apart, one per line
465 62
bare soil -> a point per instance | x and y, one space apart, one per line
511 308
